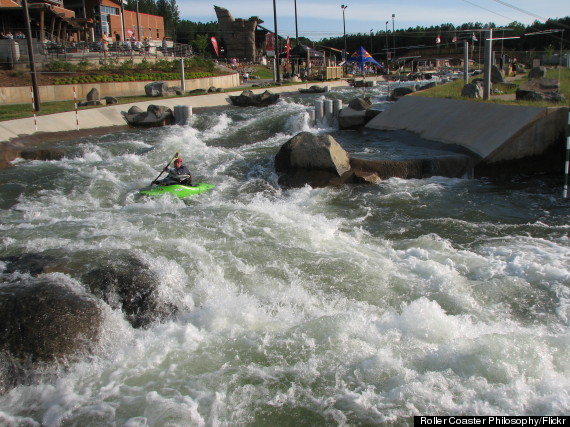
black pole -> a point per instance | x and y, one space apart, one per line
343 7
277 65
296 27
393 37
123 21
35 88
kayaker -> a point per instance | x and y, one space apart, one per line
179 174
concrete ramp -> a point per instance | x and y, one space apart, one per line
495 132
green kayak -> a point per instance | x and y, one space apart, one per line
178 189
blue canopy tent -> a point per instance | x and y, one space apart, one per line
361 56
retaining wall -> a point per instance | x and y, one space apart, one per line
22 95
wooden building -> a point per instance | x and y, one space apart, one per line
78 20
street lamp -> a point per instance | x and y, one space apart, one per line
343 7
371 33
296 28
387 48
393 37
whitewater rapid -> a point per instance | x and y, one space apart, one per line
339 306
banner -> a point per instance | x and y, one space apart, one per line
215 45
269 44
288 48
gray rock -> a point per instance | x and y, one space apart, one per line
93 95
398 92
249 99
472 90
44 323
360 104
540 90
110 100
316 160
155 89
537 73
155 116
496 75
125 282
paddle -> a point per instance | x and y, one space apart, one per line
162 171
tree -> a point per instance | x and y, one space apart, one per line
168 9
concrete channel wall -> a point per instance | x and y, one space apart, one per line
22 95
494 132
107 116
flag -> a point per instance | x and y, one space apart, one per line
474 38
454 40
215 45
288 48
269 44
438 39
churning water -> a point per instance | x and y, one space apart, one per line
338 306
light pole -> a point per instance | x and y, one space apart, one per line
296 28
371 33
387 48
277 65
343 7
393 37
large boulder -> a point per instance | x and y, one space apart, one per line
156 89
398 92
315 89
154 116
316 160
357 114
44 322
122 280
496 75
537 73
91 99
472 90
125 282
540 90
248 99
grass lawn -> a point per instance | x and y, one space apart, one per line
453 90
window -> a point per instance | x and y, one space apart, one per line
109 10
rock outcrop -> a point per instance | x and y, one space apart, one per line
315 89
540 90
472 90
156 89
126 283
154 116
44 322
357 114
398 92
248 99
92 99
316 160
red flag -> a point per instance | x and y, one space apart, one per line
288 47
438 40
454 40
474 37
215 45
269 44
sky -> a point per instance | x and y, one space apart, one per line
318 19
